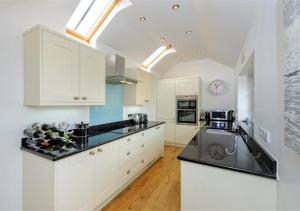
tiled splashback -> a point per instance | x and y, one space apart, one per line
292 74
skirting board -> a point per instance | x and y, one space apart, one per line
174 144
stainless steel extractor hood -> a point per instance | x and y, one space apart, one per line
115 71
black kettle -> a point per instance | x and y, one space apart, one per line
231 115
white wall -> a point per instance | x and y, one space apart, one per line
208 70
245 97
265 38
262 39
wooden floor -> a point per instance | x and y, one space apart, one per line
156 189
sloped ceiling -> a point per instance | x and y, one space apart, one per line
219 28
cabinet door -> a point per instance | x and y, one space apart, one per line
185 133
169 130
92 76
106 171
148 87
166 99
75 179
60 70
188 86
159 140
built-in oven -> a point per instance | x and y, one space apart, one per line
187 109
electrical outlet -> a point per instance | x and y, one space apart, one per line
264 134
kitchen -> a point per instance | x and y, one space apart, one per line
241 56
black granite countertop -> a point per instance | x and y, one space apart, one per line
98 135
228 150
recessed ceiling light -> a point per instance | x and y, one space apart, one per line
162 39
175 6
142 18
188 31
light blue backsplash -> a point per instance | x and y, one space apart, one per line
112 111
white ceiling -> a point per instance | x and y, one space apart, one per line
219 28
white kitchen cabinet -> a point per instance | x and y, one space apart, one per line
185 133
166 99
167 90
211 188
92 76
106 171
141 93
170 130
88 180
187 86
60 71
75 182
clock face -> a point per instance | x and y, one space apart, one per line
217 87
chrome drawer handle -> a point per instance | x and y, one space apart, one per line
157 128
128 139
142 161
76 98
143 145
143 134
128 153
99 150
128 172
84 98
92 153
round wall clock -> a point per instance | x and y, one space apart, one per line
217 87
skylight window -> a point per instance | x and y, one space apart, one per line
154 58
92 16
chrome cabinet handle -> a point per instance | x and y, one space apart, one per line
84 98
143 134
129 140
157 128
146 101
99 150
143 145
128 153
142 161
76 98
128 172
92 153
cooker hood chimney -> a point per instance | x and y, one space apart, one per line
115 71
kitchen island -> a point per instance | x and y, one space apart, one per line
219 171
91 171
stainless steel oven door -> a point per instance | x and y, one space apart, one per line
187 117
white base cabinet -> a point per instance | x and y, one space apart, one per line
211 188
90 179
185 133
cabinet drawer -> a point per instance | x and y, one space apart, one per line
112 146
128 140
127 171
128 152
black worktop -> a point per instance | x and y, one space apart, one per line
98 135
228 150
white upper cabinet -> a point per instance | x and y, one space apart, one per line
61 71
92 76
187 86
142 92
